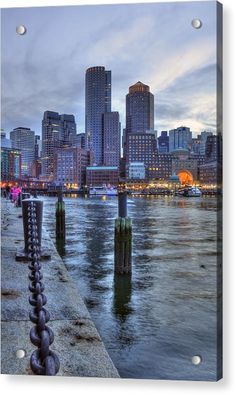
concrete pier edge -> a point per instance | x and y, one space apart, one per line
77 341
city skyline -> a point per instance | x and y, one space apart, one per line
182 76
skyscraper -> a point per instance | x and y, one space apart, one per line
203 139
111 139
163 143
139 109
97 102
140 144
180 138
57 131
24 140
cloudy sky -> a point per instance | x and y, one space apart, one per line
154 43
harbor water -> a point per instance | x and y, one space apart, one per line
155 321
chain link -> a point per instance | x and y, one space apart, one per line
43 361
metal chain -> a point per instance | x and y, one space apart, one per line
43 361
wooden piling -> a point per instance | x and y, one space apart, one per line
123 241
60 220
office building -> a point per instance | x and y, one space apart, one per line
97 102
139 109
70 166
136 171
203 139
142 147
79 140
24 139
213 148
10 164
57 131
180 138
5 142
102 175
163 143
111 139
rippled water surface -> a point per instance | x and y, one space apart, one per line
153 323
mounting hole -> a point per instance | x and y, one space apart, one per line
21 30
196 23
20 354
196 360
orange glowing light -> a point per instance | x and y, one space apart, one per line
185 177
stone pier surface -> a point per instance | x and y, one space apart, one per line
77 342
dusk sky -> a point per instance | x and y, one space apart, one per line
154 43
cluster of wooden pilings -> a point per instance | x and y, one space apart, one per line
122 234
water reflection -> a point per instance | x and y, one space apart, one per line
122 297
154 322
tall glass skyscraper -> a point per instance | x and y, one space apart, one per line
97 102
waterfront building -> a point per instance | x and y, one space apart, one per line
136 171
164 164
5 142
97 102
24 139
70 166
163 143
203 139
185 166
10 164
57 131
142 147
211 173
111 139
102 175
180 138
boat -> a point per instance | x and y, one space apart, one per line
103 191
192 192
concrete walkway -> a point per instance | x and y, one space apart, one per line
77 342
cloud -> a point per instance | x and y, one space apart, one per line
45 69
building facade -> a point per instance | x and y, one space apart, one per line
57 131
163 143
10 164
79 140
203 139
139 109
180 138
97 102
142 147
102 175
111 139
164 164
136 171
213 148
24 139
5 142
70 166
